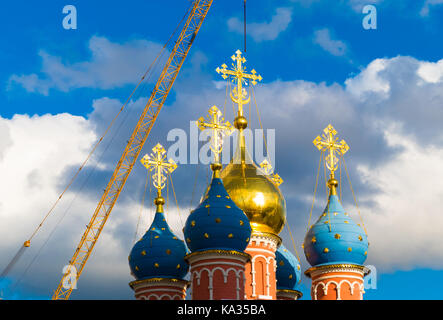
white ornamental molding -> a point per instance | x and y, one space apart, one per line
268 261
160 297
265 240
239 274
338 287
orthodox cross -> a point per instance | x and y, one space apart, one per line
157 162
239 75
329 142
215 123
267 170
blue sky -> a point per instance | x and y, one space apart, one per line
380 88
402 31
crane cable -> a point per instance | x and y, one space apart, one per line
326 179
27 243
327 193
141 206
147 75
355 199
259 120
341 156
176 202
226 98
293 241
167 198
195 186
266 148
244 21
73 200
315 190
249 107
153 64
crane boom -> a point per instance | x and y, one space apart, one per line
134 146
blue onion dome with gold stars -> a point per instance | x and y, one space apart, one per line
217 223
159 253
288 272
335 237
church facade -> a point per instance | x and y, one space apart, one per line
231 247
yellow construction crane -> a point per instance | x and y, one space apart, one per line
135 144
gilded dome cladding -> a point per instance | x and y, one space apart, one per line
254 192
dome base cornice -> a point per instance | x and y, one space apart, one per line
257 235
203 254
339 267
159 282
289 294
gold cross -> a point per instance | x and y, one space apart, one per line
219 129
329 142
267 170
239 94
157 162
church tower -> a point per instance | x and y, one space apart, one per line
217 231
157 259
335 246
255 192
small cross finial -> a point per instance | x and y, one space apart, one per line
158 163
267 170
238 73
215 123
329 142
277 179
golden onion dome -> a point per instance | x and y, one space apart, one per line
252 191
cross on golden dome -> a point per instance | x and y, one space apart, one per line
239 75
267 170
157 162
329 142
215 122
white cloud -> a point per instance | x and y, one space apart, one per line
395 140
405 224
431 71
323 38
40 148
427 5
264 31
36 154
393 128
369 80
111 65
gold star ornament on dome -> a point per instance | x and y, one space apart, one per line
239 76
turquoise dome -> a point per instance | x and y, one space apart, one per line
340 241
217 223
159 253
288 272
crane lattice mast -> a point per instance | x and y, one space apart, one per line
135 144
